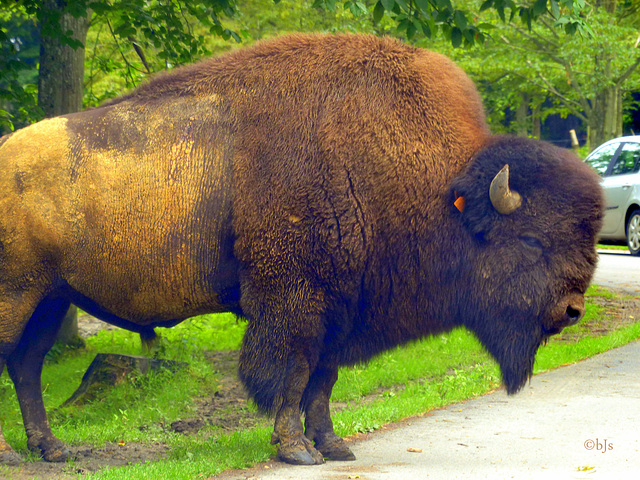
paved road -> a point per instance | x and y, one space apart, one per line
577 422
617 269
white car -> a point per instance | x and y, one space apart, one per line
618 163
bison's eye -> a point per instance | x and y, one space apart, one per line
532 242
481 237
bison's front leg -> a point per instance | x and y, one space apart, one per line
318 424
294 447
25 369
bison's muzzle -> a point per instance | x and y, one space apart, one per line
569 310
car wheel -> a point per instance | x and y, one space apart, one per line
633 232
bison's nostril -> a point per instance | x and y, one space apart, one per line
574 314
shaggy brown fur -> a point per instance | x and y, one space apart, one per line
306 183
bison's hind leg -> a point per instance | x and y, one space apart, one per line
275 371
318 424
25 368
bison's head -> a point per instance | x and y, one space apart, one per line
528 224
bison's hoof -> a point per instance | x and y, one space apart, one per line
299 453
336 449
8 456
61 454
51 450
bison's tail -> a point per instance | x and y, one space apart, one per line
263 367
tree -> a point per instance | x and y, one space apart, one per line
166 25
18 70
61 71
587 76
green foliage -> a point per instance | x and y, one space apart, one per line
18 71
148 36
130 39
545 67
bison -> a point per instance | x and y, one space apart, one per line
342 193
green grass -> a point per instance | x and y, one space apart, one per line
393 386
612 247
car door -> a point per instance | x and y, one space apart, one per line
600 160
619 181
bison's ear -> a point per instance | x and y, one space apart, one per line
459 201
468 202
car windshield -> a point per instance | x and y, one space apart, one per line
600 159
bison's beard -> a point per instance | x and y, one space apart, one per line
516 370
515 352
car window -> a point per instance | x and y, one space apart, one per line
627 161
600 159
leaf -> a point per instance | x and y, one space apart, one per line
487 4
426 30
357 9
570 28
444 4
403 5
424 5
234 35
460 19
378 12
539 7
469 35
456 37
388 4
555 9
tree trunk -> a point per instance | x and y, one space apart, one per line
536 127
522 116
61 73
60 91
605 122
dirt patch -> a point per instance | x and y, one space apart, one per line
619 312
228 408
87 460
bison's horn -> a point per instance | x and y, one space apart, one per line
503 199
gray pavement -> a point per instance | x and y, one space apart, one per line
577 422
619 270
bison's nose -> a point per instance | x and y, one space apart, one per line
569 311
574 313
